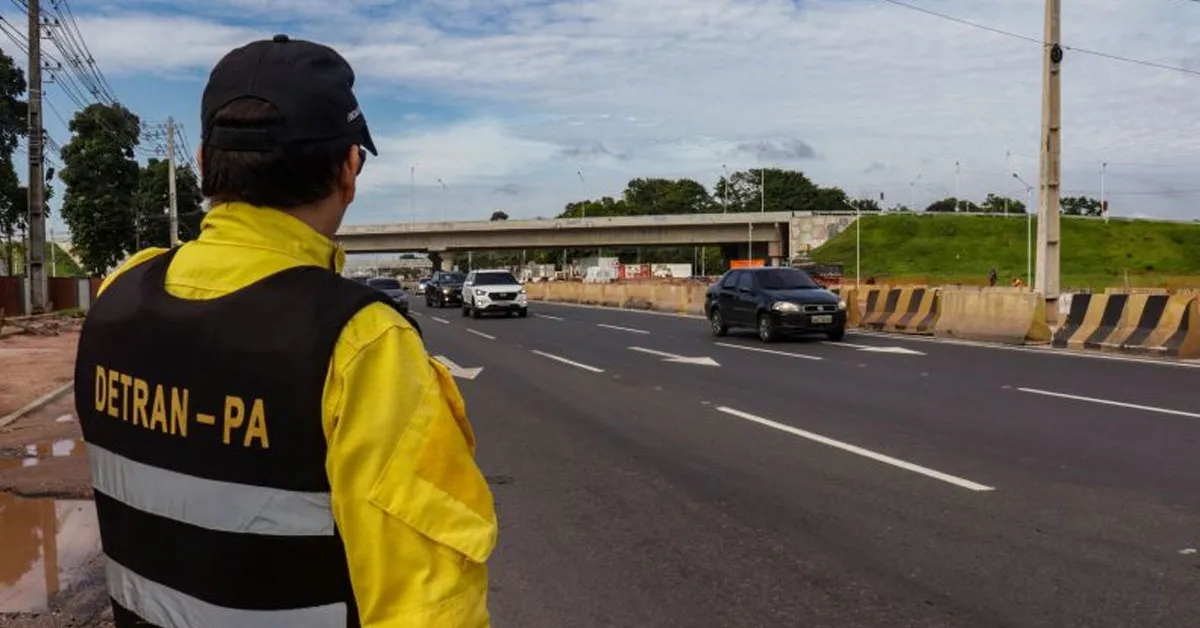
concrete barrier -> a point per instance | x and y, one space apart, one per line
1006 316
1143 324
911 310
677 298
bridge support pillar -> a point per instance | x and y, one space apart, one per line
447 261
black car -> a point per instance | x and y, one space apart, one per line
392 288
776 302
444 289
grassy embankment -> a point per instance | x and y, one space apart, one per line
947 249
64 266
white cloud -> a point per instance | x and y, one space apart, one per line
674 90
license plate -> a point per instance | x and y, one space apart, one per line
822 319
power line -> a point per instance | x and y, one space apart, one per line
1040 42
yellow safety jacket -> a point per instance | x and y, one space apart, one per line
414 511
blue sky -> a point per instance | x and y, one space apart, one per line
506 101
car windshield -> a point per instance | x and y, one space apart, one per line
384 284
452 278
494 279
785 279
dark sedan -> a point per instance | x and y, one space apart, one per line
776 302
445 290
393 289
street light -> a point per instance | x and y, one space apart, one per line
857 243
412 191
1028 230
443 184
725 191
583 191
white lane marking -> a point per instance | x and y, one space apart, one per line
440 320
480 334
459 371
619 328
854 449
671 357
617 309
553 318
771 351
416 314
845 344
566 361
1062 353
1106 402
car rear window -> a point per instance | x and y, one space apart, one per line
384 284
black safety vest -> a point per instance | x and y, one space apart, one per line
205 440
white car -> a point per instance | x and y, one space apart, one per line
487 291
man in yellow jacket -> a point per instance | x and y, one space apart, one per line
270 444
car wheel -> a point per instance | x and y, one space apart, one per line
466 310
523 313
837 334
766 328
719 328
475 313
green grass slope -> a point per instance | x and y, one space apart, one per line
940 248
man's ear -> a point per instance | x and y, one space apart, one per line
350 174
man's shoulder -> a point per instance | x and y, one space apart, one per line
373 321
140 257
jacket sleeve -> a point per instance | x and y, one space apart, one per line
415 512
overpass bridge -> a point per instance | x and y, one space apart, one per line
775 235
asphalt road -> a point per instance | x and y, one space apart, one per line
882 481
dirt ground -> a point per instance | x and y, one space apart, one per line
51 569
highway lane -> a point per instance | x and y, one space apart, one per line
634 501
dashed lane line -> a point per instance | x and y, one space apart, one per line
480 334
625 329
866 453
770 351
568 362
440 320
1108 402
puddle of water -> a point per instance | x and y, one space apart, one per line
34 453
46 542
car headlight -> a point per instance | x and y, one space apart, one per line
446 290
522 291
841 304
785 306
480 293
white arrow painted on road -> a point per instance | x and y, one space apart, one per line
671 357
458 371
871 349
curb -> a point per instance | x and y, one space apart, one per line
36 403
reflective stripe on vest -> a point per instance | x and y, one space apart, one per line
209 504
169 608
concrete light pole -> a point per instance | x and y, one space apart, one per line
1047 279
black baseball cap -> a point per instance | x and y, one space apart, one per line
310 84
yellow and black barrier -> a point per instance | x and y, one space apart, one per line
1147 324
910 310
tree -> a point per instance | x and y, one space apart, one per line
649 197
607 206
14 201
951 204
102 179
996 204
499 215
151 220
1080 206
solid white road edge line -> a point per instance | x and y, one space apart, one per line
1106 402
854 449
619 328
566 361
480 334
771 351
440 320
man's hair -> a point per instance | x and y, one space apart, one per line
286 177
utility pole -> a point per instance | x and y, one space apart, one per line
763 192
172 206
1103 200
1048 233
957 178
36 252
583 191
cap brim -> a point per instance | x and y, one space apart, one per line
367 142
